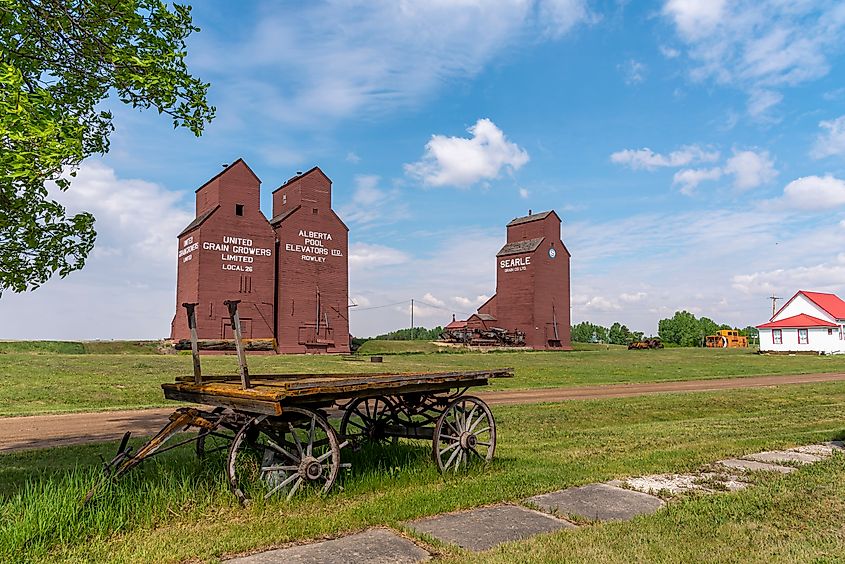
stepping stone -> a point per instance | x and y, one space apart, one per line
781 456
374 545
823 450
753 465
598 502
484 528
683 483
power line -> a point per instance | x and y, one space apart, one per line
378 306
416 301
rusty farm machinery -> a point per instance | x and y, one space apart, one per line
493 337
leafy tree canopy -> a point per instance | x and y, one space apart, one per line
59 59
617 334
686 330
415 334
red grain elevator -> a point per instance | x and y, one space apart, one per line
312 312
532 283
290 273
227 253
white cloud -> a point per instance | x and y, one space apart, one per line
761 100
647 159
759 47
351 157
433 300
341 59
370 204
693 17
633 71
633 297
832 142
364 256
558 17
461 161
692 260
690 178
127 288
446 266
669 52
600 303
750 169
524 193
826 277
814 193
135 219
470 304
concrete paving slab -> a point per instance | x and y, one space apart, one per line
674 484
484 528
753 465
783 456
373 546
598 502
823 450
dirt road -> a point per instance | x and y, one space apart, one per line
39 431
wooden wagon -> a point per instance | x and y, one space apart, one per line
276 430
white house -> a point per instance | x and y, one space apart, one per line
808 322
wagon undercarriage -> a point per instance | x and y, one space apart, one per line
277 434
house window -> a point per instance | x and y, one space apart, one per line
239 209
777 336
830 331
802 336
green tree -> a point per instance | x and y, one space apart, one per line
709 327
586 332
752 333
619 334
417 334
682 329
583 332
59 59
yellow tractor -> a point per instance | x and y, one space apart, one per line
726 339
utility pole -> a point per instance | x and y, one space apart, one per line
412 319
774 299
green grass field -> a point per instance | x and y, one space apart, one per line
37 382
175 508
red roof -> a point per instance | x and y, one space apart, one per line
830 303
456 325
800 320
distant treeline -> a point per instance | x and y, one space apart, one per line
686 330
682 329
616 334
415 334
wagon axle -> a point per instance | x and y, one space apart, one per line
277 436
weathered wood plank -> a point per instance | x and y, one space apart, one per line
241 404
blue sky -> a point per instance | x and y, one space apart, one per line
695 151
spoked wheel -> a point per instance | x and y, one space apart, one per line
211 443
365 420
273 456
465 434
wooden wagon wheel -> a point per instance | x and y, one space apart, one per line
282 455
211 442
365 419
465 433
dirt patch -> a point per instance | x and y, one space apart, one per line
41 431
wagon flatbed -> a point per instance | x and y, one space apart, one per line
276 432
269 394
